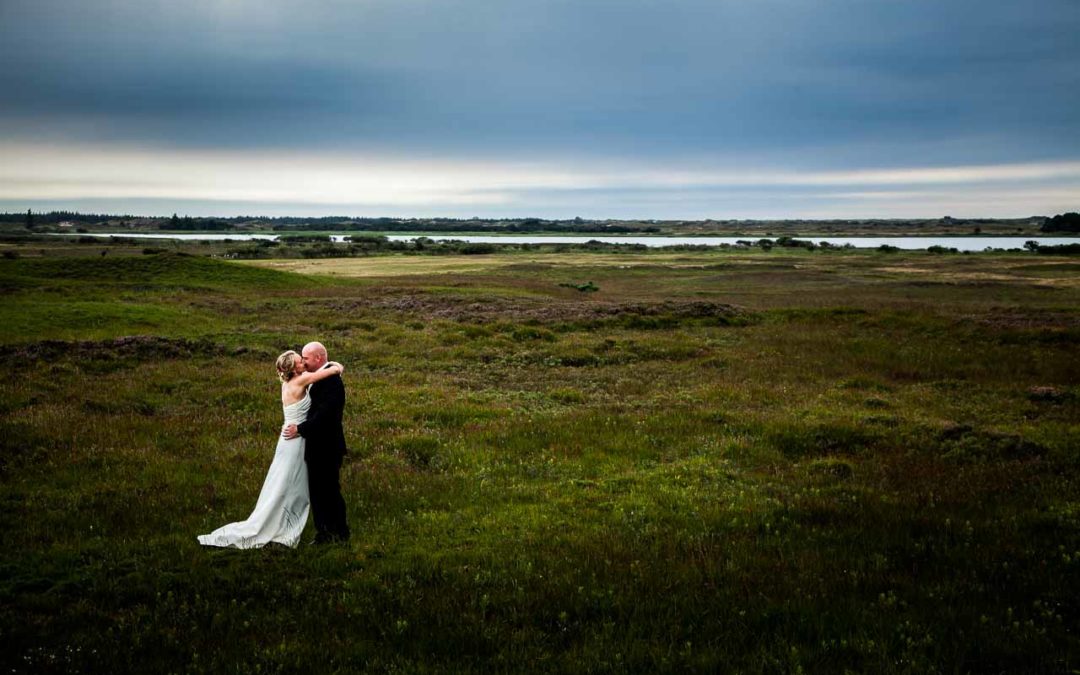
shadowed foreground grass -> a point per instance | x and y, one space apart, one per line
797 462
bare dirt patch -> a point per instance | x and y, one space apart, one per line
134 347
482 310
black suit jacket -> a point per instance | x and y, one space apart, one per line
322 429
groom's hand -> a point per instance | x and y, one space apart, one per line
290 432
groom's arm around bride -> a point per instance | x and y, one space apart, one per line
323 429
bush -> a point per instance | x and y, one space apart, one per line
526 333
1066 222
791 242
587 287
304 238
1064 249
478 249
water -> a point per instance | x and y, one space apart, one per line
907 243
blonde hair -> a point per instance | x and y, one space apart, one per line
286 365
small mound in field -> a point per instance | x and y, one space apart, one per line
963 443
830 468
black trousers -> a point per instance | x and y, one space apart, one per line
327 504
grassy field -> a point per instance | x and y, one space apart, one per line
735 462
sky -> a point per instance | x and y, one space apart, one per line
656 109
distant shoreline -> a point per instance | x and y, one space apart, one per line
61 221
968 243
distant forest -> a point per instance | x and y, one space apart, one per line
452 225
56 217
1065 223
337 223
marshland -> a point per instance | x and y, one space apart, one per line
780 460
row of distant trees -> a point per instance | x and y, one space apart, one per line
338 223
526 225
29 218
196 224
1066 222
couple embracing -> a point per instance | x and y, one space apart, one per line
305 471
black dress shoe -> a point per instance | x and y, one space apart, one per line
327 538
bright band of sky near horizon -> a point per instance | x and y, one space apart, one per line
328 183
688 109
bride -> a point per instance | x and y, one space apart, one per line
282 509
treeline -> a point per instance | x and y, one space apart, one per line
441 225
336 223
56 217
321 246
1066 222
187 223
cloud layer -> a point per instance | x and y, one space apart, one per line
592 106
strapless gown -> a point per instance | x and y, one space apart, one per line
282 509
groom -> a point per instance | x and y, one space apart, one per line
325 448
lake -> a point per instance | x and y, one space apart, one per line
970 243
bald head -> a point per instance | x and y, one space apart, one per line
314 356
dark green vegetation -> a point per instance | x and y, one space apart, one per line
362 245
1065 222
789 461
58 221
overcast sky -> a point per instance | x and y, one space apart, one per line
551 108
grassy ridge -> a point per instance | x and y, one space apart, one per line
99 297
762 463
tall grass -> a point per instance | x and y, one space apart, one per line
845 471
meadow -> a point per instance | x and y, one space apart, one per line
715 461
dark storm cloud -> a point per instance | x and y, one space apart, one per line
185 84
633 77
593 107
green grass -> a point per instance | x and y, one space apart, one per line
765 462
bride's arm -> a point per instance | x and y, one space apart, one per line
334 368
291 431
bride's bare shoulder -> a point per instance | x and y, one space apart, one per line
291 392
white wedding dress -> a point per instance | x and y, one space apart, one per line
282 510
